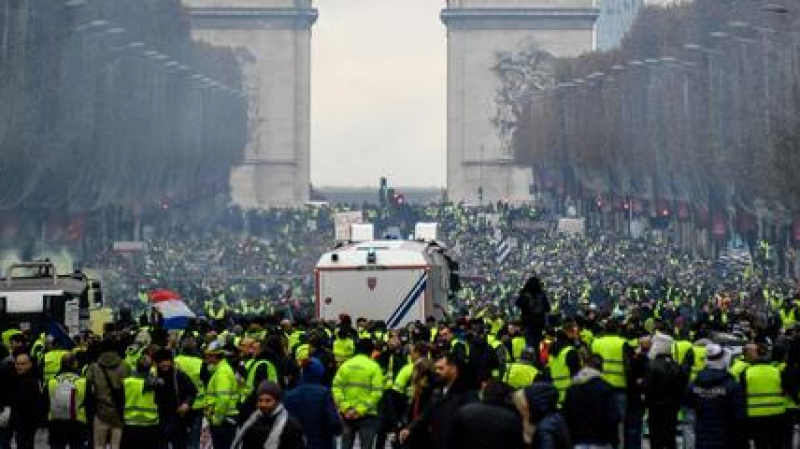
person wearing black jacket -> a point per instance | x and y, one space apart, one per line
174 397
665 384
436 421
6 374
534 307
27 403
590 407
491 423
719 405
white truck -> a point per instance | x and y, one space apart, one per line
395 281
34 296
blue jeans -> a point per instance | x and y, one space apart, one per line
367 428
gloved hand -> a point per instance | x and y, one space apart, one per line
5 416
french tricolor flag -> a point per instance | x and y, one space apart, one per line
170 305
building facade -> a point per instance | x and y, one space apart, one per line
272 41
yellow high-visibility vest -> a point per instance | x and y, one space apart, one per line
140 405
764 393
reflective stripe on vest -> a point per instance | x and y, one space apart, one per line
140 405
764 393
559 371
520 375
610 348
251 368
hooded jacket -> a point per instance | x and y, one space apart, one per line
106 409
719 405
590 409
312 405
551 429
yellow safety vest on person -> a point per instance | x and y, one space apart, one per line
679 350
788 318
192 366
250 368
699 360
737 368
434 334
520 375
132 354
403 384
517 346
559 372
611 349
67 398
140 405
8 333
294 339
222 394
587 337
763 391
52 363
358 385
343 349
302 352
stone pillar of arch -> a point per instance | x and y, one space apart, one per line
272 41
480 162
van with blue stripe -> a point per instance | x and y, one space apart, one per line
395 281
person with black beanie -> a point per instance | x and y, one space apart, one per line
534 307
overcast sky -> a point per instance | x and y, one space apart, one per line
378 93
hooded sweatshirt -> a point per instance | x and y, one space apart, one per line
110 363
312 405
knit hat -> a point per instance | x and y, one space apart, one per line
661 345
717 357
271 389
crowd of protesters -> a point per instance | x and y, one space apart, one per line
594 341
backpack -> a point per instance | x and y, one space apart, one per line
64 399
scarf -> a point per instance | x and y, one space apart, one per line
273 441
